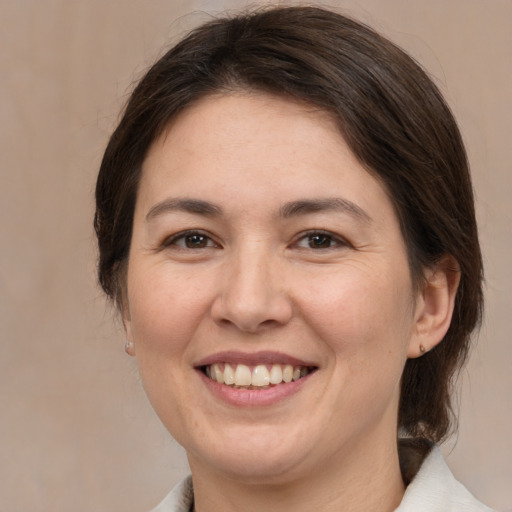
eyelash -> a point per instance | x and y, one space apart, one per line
332 240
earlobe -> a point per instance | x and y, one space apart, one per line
129 346
434 307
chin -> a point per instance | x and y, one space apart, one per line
253 455
257 469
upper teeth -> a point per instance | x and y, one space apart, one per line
259 376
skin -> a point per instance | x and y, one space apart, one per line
256 280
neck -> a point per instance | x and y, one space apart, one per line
362 479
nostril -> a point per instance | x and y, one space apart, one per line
251 316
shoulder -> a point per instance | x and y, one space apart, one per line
180 499
435 489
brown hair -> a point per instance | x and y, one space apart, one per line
389 112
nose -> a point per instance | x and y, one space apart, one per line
252 295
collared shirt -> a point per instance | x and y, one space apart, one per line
433 489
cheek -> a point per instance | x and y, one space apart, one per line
360 312
166 309
364 322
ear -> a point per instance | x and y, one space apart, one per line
434 306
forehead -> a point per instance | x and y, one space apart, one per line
252 132
247 120
255 148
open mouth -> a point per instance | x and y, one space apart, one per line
241 376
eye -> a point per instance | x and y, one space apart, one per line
320 240
190 240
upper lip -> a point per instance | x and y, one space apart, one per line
252 359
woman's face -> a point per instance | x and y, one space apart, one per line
259 244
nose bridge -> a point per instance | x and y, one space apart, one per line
252 294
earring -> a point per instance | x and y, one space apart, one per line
128 347
422 349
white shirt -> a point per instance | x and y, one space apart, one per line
433 489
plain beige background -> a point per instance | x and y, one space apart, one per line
76 432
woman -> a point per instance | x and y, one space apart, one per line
286 222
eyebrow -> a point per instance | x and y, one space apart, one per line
337 204
291 209
195 206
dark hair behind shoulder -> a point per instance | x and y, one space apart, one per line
391 115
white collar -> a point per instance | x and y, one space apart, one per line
434 489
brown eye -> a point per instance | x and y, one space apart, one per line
195 241
191 240
320 241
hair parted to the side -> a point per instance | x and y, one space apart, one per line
391 115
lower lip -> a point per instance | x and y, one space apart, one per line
253 397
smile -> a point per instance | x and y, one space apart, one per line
260 376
